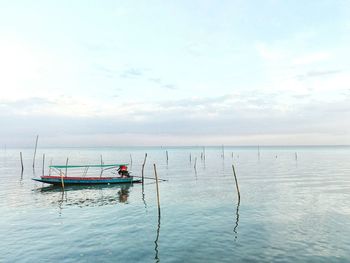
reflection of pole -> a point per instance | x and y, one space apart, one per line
156 241
62 181
237 220
238 193
155 174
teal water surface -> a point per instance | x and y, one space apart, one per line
295 207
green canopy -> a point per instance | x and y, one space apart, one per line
87 165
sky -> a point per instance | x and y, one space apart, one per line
238 72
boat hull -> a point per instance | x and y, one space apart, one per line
57 180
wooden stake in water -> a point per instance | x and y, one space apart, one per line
296 156
20 154
195 163
36 145
158 198
167 157
43 170
143 167
190 158
101 166
66 167
234 174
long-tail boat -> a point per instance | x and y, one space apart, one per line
61 176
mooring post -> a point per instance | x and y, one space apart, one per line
101 166
43 170
167 157
36 145
143 167
156 176
234 174
66 167
20 154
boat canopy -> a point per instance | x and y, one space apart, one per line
87 166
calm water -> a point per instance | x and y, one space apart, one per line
291 210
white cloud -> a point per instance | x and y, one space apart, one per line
311 58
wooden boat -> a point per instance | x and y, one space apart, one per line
61 177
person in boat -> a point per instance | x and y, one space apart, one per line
123 171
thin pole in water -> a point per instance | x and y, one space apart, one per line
190 158
156 176
143 167
167 157
66 167
101 166
238 193
20 154
36 145
43 171
195 163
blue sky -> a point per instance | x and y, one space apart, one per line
86 73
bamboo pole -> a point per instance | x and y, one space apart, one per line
143 167
101 166
43 170
20 154
36 145
238 193
66 167
195 163
158 199
50 166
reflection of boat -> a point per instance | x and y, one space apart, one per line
87 195
82 179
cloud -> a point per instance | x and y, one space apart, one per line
313 74
169 86
311 58
132 73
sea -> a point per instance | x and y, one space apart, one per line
294 206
